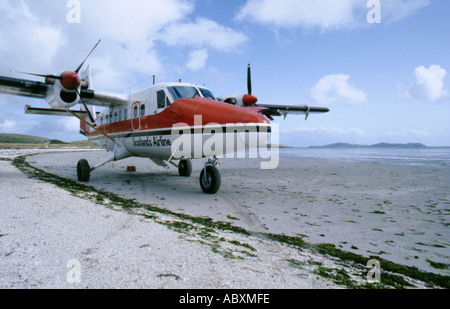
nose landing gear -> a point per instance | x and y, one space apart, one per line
185 168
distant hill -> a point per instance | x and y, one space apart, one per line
26 139
20 141
380 145
409 145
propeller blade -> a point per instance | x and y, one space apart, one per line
41 75
91 118
81 65
249 79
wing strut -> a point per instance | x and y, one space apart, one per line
92 126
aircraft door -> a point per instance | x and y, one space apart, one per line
135 116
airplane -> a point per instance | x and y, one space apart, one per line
164 122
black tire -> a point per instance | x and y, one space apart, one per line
211 184
185 168
83 171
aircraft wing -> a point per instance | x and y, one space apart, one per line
34 89
105 99
284 110
22 87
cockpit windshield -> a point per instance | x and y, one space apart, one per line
207 94
181 92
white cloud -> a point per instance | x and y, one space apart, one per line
295 13
26 41
336 87
323 14
35 36
132 20
8 126
68 124
396 10
128 30
197 59
429 84
202 33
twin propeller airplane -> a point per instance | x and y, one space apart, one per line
165 122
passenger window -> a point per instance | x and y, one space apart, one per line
142 110
120 115
125 114
135 112
115 117
107 118
161 98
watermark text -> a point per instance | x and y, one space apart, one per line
374 14
231 141
74 273
74 14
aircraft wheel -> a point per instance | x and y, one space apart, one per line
83 171
211 181
185 168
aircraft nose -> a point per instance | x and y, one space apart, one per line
252 116
215 112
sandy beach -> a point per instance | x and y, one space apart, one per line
396 212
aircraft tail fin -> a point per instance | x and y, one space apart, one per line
86 76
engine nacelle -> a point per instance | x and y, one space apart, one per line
241 100
61 98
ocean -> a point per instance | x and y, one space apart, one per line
432 156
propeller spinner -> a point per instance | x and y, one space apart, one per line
70 80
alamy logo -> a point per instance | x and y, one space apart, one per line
233 140
374 14
74 273
374 274
74 13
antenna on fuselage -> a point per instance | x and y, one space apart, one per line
154 80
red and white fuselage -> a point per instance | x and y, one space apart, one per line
178 120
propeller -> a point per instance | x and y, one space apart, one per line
70 80
249 99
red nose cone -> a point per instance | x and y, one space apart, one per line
249 100
70 80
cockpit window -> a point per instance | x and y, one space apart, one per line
207 94
181 92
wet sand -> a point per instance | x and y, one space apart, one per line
397 212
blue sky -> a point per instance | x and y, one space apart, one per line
384 82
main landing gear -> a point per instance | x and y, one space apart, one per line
210 179
83 171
